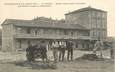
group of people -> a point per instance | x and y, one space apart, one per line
58 49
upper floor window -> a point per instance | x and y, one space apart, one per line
93 33
94 14
18 28
104 15
65 32
71 33
88 34
28 31
20 42
45 31
99 14
36 32
28 42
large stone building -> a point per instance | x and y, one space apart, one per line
82 26
91 18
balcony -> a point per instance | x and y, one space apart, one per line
49 36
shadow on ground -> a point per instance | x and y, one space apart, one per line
35 65
92 57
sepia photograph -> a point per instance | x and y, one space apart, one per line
57 36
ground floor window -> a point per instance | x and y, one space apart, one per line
20 46
28 42
76 45
83 45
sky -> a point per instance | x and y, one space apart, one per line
54 9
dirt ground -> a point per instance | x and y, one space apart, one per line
7 64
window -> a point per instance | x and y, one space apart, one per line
76 45
88 33
104 15
19 29
28 31
29 42
71 33
45 31
99 14
94 14
94 33
36 32
65 32
19 43
83 45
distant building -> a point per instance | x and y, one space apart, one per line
82 26
91 18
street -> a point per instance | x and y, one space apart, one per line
7 63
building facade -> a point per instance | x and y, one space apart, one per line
91 18
78 26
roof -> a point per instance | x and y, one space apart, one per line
85 9
30 23
14 21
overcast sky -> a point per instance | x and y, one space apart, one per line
55 11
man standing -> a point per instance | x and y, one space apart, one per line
62 46
98 46
55 47
69 46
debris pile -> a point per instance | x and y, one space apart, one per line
88 57
37 65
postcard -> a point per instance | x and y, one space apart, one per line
57 35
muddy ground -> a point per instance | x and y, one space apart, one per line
17 63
